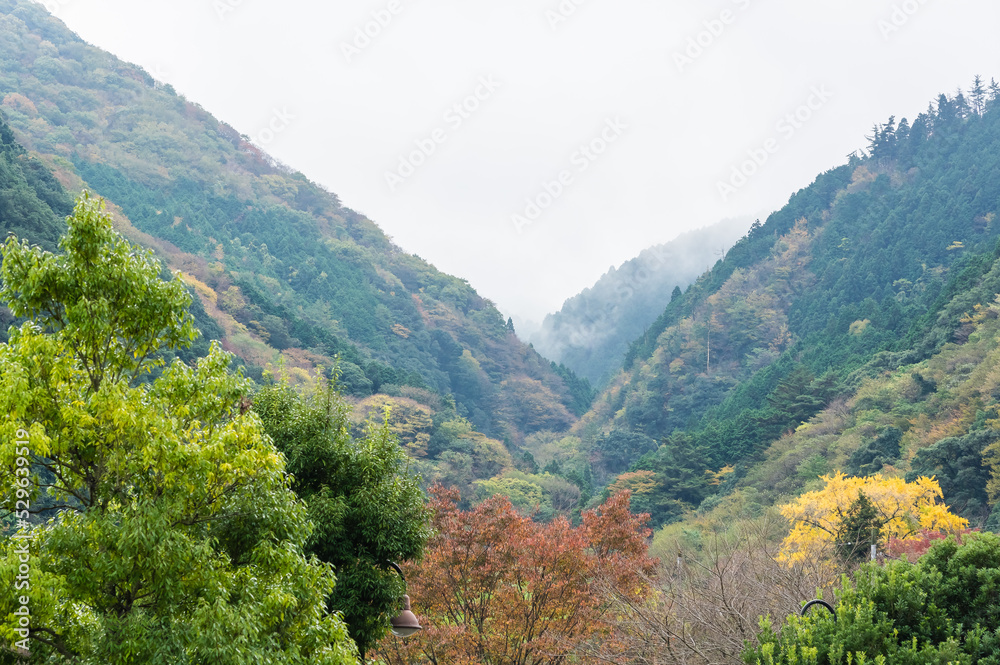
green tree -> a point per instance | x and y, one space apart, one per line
869 459
173 535
367 507
860 528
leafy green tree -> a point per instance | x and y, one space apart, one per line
367 508
957 464
620 448
176 537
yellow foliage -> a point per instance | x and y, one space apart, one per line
905 508
714 478
409 420
637 482
859 326
204 290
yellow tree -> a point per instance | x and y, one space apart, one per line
898 509
408 419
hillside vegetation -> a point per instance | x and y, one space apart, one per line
853 330
287 277
830 385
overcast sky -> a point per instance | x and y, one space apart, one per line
528 145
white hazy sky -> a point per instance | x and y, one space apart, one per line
348 110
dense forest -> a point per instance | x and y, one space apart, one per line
233 406
286 277
877 269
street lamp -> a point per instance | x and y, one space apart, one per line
405 623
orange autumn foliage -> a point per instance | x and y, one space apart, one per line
496 587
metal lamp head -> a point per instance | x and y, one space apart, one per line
405 623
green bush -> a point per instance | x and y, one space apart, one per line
942 609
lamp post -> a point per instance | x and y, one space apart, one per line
405 623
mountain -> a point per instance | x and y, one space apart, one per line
591 333
31 200
288 278
855 328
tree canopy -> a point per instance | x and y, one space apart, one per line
941 609
496 587
872 507
367 507
172 533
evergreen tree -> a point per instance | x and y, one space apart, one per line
860 528
978 95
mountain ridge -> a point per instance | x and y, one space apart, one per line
591 332
294 281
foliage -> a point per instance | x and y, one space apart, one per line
860 527
849 506
31 200
941 609
173 534
496 587
880 264
366 506
870 458
313 279
914 548
956 463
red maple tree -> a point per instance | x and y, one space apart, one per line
917 546
497 587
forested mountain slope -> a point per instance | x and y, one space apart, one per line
879 265
289 274
590 334
32 202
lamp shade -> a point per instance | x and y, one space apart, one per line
405 623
